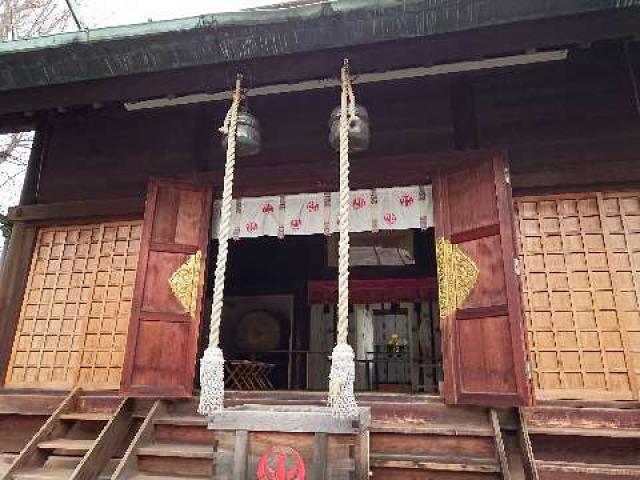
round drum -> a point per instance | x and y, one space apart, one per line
258 330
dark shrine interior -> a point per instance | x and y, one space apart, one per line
267 311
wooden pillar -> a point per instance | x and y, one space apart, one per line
17 258
31 185
13 280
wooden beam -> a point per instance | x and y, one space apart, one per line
528 459
363 456
29 404
320 456
13 280
89 209
499 443
240 455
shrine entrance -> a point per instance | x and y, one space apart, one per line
279 320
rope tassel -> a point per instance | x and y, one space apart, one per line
342 376
212 363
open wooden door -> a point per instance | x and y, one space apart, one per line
483 339
163 333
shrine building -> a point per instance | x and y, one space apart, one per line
342 239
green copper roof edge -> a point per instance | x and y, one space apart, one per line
253 16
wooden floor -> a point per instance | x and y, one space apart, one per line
76 435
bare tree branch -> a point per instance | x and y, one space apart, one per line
20 19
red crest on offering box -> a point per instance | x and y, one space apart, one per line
251 227
281 463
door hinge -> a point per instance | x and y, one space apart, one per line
516 266
507 175
529 371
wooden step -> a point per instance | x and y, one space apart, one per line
44 474
615 419
182 450
585 432
6 459
426 462
182 420
64 461
87 416
147 476
451 430
67 445
582 470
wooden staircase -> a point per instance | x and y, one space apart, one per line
21 417
590 443
77 441
97 436
172 443
433 441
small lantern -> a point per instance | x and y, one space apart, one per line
359 134
248 140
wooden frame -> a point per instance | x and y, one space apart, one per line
235 426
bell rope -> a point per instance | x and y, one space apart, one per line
342 376
212 363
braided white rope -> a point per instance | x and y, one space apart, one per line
212 363
342 376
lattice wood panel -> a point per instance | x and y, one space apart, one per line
73 323
580 278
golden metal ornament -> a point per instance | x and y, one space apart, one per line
457 275
184 283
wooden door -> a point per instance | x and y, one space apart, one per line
483 340
580 254
162 343
75 312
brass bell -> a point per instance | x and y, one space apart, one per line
359 134
248 140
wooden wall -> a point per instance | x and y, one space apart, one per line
566 124
111 153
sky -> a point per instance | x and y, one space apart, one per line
102 13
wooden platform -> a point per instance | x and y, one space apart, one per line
59 436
